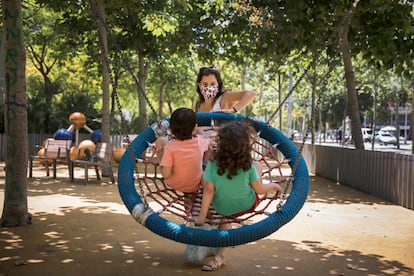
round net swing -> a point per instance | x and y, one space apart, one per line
273 149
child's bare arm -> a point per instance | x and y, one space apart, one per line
207 155
166 172
208 193
261 188
159 146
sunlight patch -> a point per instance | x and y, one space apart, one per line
52 204
35 261
67 261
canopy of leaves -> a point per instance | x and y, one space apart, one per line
257 40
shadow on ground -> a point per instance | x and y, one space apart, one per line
99 242
86 230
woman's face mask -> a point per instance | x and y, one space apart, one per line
209 91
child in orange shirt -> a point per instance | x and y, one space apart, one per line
182 156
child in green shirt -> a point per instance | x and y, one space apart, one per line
231 181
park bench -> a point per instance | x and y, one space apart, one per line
101 158
54 151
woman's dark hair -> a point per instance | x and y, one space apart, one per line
233 150
183 120
205 71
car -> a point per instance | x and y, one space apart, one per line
385 138
366 134
296 135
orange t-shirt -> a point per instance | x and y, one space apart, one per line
186 160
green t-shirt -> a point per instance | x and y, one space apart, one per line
234 195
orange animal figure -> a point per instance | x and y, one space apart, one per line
86 144
117 154
41 152
74 152
78 119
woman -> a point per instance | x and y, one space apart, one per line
213 98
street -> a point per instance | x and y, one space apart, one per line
405 148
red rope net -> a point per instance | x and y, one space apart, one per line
165 200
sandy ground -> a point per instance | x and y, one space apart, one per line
86 230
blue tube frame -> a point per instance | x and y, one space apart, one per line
214 238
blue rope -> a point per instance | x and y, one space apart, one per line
214 238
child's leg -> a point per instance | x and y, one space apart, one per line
224 225
188 202
218 261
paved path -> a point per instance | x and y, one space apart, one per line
86 230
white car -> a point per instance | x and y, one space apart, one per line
385 138
366 134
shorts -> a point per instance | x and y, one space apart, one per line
251 209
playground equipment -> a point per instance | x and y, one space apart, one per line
117 153
78 121
139 208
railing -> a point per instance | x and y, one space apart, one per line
386 175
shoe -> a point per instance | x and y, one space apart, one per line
213 264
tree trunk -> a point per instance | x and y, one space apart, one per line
161 99
243 83
397 120
374 111
1 71
353 107
48 96
313 100
38 59
98 10
412 116
15 211
142 80
279 88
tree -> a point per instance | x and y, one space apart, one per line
412 115
41 47
15 210
353 107
98 12
144 31
381 31
58 64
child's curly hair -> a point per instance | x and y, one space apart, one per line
234 147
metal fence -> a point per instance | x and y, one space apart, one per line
386 175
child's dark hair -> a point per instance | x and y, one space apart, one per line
183 120
233 150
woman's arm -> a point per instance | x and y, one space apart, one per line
235 101
208 193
